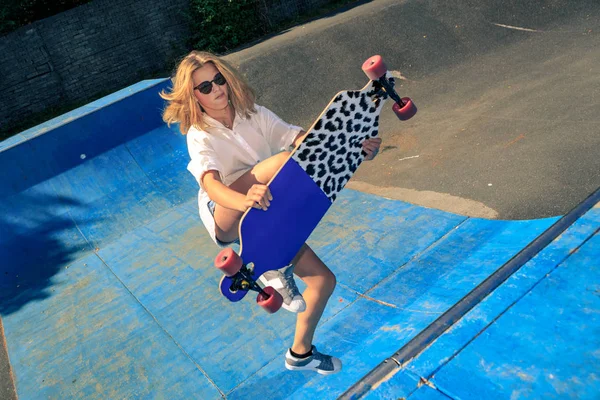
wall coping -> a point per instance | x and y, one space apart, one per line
78 113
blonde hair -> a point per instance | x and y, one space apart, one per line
182 106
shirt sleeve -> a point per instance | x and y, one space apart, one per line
203 156
279 134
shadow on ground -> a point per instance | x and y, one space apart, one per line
35 245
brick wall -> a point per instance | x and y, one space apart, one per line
96 48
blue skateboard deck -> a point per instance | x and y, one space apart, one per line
307 184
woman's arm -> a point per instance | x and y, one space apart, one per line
258 196
371 147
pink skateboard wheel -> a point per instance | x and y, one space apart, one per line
374 67
406 112
272 303
228 262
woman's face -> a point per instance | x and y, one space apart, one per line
218 97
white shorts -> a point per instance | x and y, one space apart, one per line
207 214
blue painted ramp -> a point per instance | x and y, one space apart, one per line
536 336
107 288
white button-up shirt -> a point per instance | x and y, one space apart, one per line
232 152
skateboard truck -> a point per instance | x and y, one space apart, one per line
231 264
243 280
376 70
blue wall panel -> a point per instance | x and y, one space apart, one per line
47 153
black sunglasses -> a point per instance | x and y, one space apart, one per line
206 86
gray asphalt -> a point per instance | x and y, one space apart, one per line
508 95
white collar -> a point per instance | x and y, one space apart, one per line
213 123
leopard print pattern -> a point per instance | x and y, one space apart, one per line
332 150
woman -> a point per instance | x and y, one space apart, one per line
236 147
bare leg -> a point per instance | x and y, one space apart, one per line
320 282
227 220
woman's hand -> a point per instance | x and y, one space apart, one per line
371 147
259 196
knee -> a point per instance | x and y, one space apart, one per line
276 162
329 282
265 170
282 157
323 283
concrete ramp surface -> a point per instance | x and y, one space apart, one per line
107 289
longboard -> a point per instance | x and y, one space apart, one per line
307 184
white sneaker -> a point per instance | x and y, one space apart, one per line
321 363
282 280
